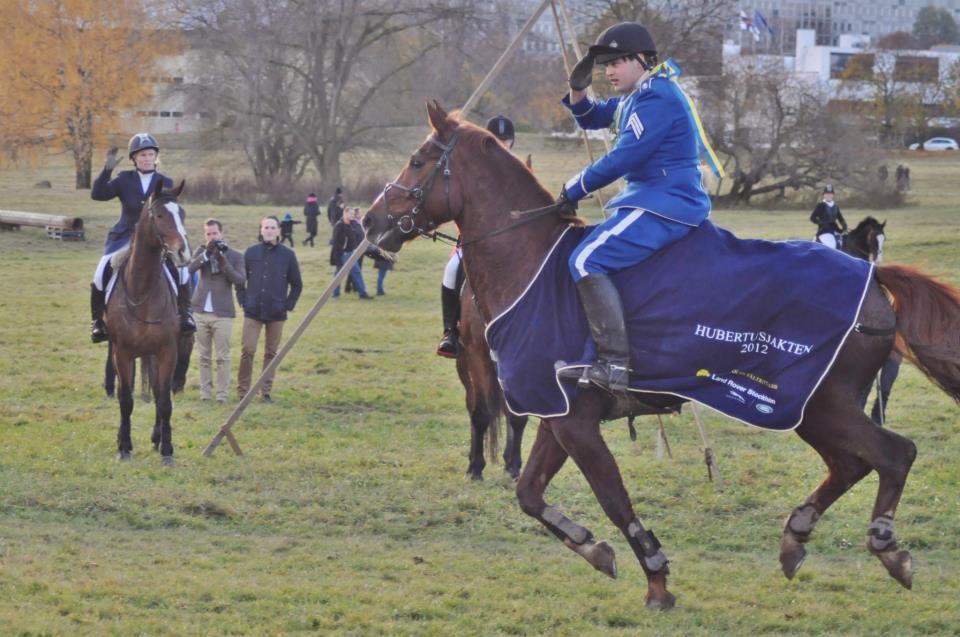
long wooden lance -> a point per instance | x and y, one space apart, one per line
226 430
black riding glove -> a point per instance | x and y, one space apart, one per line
582 74
113 158
566 207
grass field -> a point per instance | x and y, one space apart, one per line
349 513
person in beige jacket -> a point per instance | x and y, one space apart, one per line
221 268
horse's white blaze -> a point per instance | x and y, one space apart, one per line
880 240
174 209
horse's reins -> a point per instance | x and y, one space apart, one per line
407 222
164 251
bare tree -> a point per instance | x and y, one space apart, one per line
297 79
776 132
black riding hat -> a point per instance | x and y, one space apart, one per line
501 127
828 189
620 40
141 141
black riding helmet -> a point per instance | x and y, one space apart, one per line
501 127
623 40
141 141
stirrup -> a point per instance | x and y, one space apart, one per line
448 345
614 376
187 324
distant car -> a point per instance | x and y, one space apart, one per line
937 143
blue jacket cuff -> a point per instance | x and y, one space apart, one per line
574 188
579 109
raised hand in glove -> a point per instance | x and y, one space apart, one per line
113 158
582 74
566 207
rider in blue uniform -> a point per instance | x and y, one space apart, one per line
132 187
657 153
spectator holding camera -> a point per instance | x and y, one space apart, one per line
220 268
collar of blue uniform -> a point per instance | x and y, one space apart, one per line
670 71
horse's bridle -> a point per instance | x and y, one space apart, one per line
164 248
407 222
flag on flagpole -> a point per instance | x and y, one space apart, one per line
746 24
761 22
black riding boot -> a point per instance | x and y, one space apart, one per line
450 301
601 302
187 324
98 330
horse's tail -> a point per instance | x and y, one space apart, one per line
928 323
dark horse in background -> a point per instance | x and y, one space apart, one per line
484 398
866 242
483 183
141 315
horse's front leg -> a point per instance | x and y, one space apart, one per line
165 361
579 434
545 460
124 366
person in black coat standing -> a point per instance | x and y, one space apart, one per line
345 241
273 287
335 207
311 210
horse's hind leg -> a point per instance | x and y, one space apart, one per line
124 366
511 453
579 434
852 444
845 470
546 458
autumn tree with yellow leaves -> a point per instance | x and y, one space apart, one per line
68 69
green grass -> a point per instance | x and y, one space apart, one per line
349 513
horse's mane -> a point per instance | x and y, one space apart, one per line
866 223
482 141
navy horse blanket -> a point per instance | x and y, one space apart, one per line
747 327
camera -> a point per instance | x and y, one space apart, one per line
220 245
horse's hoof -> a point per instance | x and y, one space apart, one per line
168 461
900 566
792 556
603 558
124 456
475 476
664 601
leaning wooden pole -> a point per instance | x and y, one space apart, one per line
226 430
471 102
709 458
576 49
567 67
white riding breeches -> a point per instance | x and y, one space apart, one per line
450 272
828 239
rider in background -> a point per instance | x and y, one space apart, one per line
830 223
132 187
657 151
502 129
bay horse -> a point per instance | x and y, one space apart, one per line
484 398
482 183
866 242
141 315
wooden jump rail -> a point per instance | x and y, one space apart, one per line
57 226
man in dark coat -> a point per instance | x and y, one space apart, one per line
311 210
273 287
335 207
345 241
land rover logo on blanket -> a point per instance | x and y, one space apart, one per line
764 408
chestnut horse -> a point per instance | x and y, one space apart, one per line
141 315
482 183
